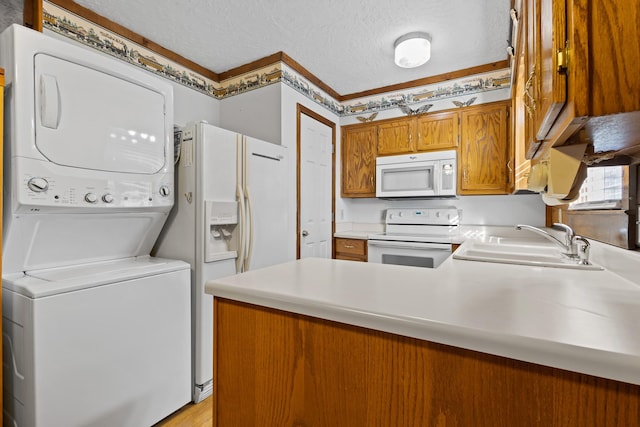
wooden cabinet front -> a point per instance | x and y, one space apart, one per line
581 61
351 249
479 133
484 150
359 145
550 64
274 368
438 131
395 137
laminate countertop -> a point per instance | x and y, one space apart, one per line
582 321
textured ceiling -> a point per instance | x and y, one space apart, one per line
347 44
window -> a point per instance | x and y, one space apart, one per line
605 187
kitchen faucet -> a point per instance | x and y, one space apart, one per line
574 247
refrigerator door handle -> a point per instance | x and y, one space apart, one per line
241 225
249 223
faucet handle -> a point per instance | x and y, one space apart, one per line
563 227
569 233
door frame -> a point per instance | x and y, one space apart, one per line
300 110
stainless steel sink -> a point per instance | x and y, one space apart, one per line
518 251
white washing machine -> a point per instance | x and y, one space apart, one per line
95 331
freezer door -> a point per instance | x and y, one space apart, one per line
89 119
269 223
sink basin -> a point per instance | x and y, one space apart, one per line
517 251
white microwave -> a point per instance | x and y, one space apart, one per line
431 174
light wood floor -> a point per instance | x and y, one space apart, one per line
191 415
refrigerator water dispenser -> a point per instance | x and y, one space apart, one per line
221 220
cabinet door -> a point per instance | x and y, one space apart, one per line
359 161
438 131
550 73
484 151
395 137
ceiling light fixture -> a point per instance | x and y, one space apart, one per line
412 50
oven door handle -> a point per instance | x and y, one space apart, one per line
410 245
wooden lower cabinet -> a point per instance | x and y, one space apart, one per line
274 368
351 249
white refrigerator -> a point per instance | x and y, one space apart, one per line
231 215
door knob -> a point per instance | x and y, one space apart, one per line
305 233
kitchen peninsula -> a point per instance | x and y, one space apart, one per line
319 342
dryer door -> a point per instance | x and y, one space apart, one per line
89 119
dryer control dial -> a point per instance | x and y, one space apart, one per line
164 191
38 184
107 198
90 197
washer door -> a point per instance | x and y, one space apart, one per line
89 119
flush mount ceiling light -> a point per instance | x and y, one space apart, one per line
412 50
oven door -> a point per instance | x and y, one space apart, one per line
413 254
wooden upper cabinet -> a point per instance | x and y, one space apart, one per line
438 131
484 150
395 137
582 60
358 161
550 64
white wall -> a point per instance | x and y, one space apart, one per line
190 105
476 210
255 113
438 105
10 13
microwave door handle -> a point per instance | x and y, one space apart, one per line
437 181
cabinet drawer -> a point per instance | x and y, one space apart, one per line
351 246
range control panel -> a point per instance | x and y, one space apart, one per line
48 187
427 216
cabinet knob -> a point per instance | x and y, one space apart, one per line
305 233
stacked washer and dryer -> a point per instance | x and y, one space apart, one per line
95 331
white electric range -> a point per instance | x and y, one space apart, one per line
415 237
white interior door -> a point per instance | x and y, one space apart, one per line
315 188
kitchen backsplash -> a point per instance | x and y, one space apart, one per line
480 210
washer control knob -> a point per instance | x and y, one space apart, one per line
38 184
164 191
107 198
90 197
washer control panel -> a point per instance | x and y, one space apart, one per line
43 188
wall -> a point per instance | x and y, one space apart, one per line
476 210
255 113
10 13
438 105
